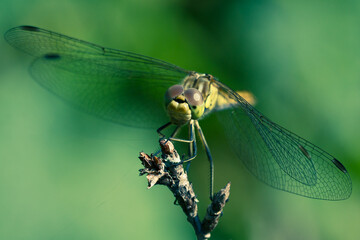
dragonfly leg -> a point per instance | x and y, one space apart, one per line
207 149
162 136
191 141
162 128
192 145
171 138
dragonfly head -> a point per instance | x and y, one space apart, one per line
183 105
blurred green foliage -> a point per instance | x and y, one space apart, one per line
66 175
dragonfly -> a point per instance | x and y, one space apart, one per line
132 90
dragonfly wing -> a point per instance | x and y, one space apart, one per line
115 85
280 158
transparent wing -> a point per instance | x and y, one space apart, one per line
115 85
280 158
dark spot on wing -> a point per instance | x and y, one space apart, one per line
51 56
339 165
306 153
30 28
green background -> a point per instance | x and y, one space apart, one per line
67 175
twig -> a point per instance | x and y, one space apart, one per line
169 171
215 209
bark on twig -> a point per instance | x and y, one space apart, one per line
169 171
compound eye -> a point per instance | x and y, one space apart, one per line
174 91
193 97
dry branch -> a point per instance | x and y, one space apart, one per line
168 170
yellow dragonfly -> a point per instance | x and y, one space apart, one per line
129 89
